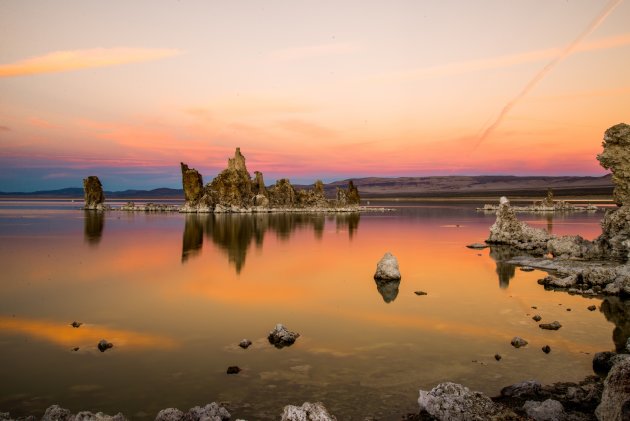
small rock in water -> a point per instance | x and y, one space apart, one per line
387 268
280 336
592 308
75 349
497 357
420 293
568 309
233 369
477 246
103 345
518 342
526 269
546 349
245 343
555 325
537 318
76 324
535 307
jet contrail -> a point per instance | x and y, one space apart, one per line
542 73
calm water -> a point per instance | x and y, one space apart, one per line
176 293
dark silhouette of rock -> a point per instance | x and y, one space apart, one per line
603 362
497 357
420 293
617 311
93 193
616 158
245 343
537 318
76 324
555 325
592 308
103 345
233 369
94 223
546 349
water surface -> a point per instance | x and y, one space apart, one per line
176 293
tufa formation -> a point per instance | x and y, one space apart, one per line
234 190
93 193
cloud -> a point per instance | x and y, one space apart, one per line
312 51
561 55
4 129
69 60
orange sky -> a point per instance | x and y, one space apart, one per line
307 90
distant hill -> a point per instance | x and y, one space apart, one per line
403 187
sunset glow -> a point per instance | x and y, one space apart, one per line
307 90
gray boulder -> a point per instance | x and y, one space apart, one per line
57 413
307 412
211 412
615 404
280 336
454 402
169 414
549 410
387 268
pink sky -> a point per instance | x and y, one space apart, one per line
307 90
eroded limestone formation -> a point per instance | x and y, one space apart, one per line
93 193
616 158
234 191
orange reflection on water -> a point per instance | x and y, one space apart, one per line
85 336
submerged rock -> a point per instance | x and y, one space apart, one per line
93 193
245 343
477 246
307 412
76 324
555 325
103 345
537 318
546 349
420 293
591 308
518 342
280 336
454 402
233 369
387 268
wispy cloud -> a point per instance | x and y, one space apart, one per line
68 60
313 51
508 60
570 48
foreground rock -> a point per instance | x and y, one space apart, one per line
307 412
616 158
387 268
549 410
518 342
104 345
57 413
210 412
280 336
555 325
93 193
615 403
454 402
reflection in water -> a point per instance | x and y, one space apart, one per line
506 271
234 233
550 223
617 311
93 229
388 289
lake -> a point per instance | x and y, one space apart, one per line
176 293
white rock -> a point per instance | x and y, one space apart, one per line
307 412
454 402
387 268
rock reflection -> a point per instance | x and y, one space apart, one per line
505 271
234 233
388 289
617 311
93 226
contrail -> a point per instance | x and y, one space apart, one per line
542 73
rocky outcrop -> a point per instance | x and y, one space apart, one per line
233 186
507 229
387 268
307 412
93 193
211 412
56 413
615 403
454 402
616 158
280 336
234 191
282 194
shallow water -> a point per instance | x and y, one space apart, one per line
176 293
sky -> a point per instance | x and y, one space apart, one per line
307 89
